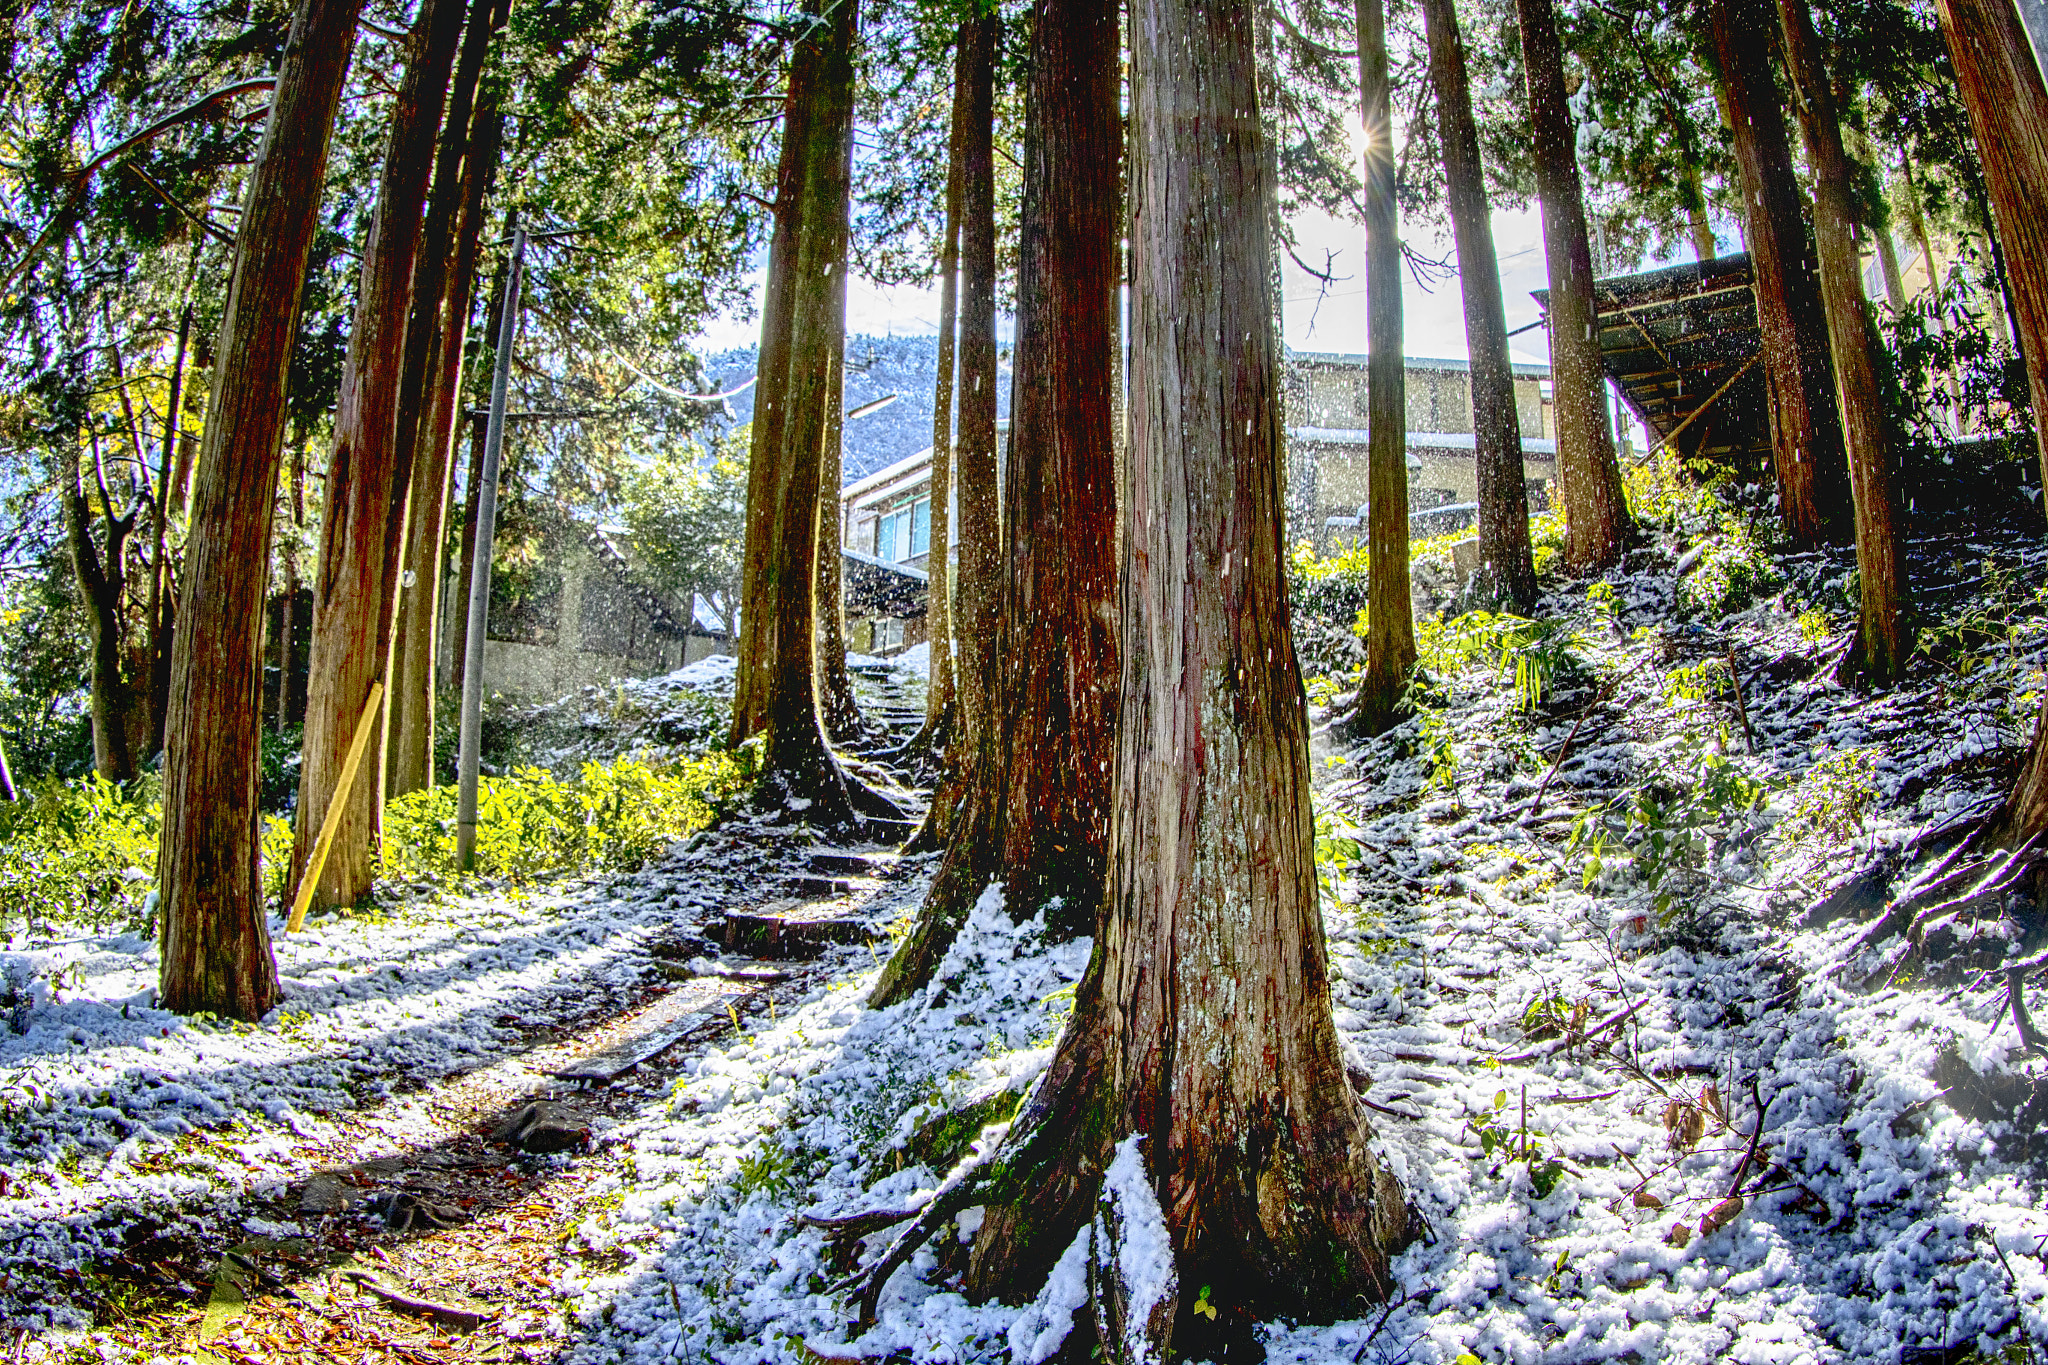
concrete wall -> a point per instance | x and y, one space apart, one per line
573 646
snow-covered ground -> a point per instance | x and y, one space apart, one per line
1567 1078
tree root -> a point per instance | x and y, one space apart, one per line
957 1192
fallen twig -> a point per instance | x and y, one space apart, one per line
1536 802
1741 709
1390 1113
2015 981
407 1302
1569 1040
1755 1136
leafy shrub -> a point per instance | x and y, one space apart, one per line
1537 653
612 816
1834 797
1733 571
1671 824
1335 589
79 852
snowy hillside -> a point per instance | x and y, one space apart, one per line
875 368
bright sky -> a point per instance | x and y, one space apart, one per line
1434 321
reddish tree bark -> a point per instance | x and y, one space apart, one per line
1806 432
368 477
213 936
1595 509
1036 813
1882 640
2002 88
1507 571
444 287
1204 1021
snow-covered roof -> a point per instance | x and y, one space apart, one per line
1417 440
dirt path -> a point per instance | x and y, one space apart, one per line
417 1203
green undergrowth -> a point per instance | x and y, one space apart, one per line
609 817
81 854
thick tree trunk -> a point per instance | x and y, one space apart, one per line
2002 88
838 708
362 533
1882 640
803 334
1506 572
1252 1140
443 292
1806 431
1595 509
213 935
975 579
1390 622
103 582
939 695
1036 813
444 289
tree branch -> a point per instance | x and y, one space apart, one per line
61 221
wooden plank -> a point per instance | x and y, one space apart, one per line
676 1019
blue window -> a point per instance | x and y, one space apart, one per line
920 527
891 540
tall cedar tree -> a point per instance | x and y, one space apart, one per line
1036 814
839 711
939 690
1806 432
1882 642
975 578
1252 1140
444 286
368 477
803 334
2002 88
214 941
1588 475
1507 571
1390 621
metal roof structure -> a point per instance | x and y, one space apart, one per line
1683 346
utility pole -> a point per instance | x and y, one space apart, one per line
480 574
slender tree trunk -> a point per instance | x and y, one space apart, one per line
444 287
1916 222
213 936
369 475
103 582
1806 431
161 589
459 649
1390 620
2002 88
938 706
1595 509
1698 222
1252 1141
838 708
803 333
1894 277
7 791
1036 814
1882 639
1506 572
977 595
